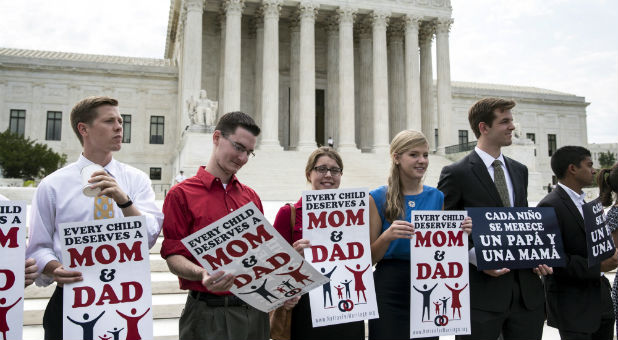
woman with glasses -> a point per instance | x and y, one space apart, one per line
390 207
323 171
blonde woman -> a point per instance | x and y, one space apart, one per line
390 231
323 171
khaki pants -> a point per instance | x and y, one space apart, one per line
200 321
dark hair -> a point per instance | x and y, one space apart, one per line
483 111
85 111
566 156
608 183
230 121
319 152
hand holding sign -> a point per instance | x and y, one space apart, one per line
30 271
610 263
62 276
300 245
218 281
398 229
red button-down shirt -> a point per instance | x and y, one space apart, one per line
194 204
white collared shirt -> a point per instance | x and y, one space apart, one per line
578 199
488 160
59 199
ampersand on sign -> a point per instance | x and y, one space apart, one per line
335 236
249 262
439 255
107 277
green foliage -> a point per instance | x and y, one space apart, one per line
607 159
24 158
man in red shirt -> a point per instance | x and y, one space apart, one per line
211 311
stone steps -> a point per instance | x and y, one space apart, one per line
285 177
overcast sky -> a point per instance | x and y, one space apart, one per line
564 45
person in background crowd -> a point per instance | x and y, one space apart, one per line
125 191
502 301
607 180
181 177
323 171
390 207
578 296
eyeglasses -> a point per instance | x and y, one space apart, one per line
239 147
322 170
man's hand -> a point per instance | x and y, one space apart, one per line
496 272
291 303
466 225
610 263
300 245
217 282
109 187
62 276
31 271
543 269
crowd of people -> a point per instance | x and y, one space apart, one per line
507 303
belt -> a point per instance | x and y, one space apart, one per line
213 300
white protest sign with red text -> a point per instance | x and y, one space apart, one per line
12 253
268 270
336 222
114 300
440 291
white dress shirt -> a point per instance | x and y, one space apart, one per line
578 199
488 160
59 199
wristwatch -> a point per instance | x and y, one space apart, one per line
126 204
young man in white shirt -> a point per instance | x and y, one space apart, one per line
59 198
502 301
578 297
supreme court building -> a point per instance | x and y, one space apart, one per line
357 71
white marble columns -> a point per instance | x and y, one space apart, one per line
365 84
307 12
380 82
270 75
446 137
231 82
191 66
426 80
346 79
412 73
295 125
258 21
332 80
396 79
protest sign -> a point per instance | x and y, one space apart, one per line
114 299
268 271
13 253
598 237
439 275
336 223
516 238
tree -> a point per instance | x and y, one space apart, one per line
607 159
24 158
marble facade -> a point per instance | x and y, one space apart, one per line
305 70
